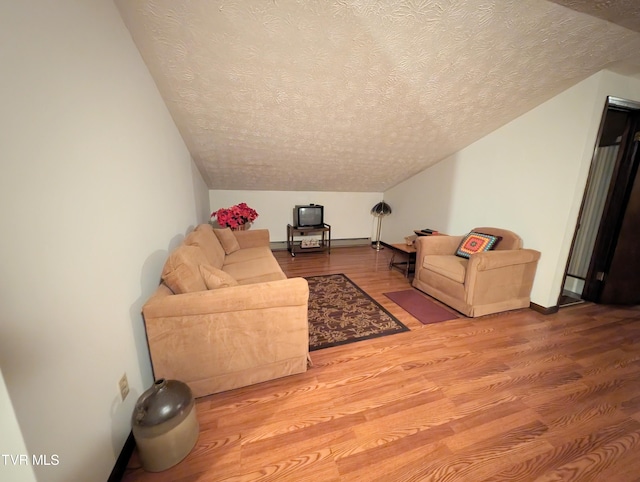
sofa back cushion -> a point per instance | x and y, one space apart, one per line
227 240
181 272
203 238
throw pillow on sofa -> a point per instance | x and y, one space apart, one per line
181 273
215 278
227 240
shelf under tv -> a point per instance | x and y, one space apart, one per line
295 245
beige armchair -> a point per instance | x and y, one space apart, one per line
487 282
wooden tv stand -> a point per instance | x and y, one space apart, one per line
294 246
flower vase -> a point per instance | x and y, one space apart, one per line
242 227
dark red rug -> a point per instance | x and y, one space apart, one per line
421 307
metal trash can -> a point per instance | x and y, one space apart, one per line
164 424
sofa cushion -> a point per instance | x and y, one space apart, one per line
227 240
247 254
451 267
204 238
181 271
476 243
215 278
263 278
256 270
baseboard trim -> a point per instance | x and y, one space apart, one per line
335 243
544 310
123 459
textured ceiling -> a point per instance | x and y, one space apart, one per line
359 95
621 12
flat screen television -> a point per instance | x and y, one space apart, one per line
308 215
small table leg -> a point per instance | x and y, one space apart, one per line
410 258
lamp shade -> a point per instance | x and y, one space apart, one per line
381 209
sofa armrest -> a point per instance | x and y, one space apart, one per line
270 294
252 238
501 258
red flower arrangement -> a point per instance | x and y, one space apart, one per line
235 215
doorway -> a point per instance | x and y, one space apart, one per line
598 253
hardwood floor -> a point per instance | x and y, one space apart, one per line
517 396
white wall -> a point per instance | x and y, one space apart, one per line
11 444
96 187
348 213
527 176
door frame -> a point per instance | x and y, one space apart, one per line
614 211
609 228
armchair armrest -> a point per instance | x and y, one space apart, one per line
252 238
509 273
501 258
270 294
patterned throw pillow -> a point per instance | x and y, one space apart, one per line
476 243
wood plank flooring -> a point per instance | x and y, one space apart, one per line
517 396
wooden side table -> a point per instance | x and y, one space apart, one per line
407 253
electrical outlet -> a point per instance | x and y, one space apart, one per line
123 384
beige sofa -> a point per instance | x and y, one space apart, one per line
487 282
225 315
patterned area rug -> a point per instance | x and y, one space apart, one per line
341 313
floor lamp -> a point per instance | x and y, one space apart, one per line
380 210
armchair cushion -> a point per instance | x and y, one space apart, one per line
449 266
476 243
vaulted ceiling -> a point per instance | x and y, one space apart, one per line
359 95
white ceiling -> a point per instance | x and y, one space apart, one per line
359 95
